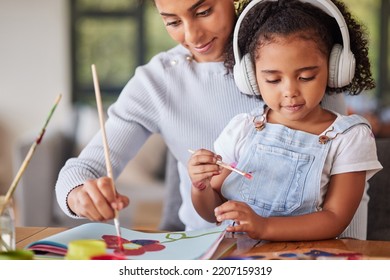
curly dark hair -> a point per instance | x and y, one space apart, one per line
285 17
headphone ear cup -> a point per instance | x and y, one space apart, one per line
341 67
245 76
334 62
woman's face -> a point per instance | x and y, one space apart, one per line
201 26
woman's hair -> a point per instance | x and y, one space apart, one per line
269 19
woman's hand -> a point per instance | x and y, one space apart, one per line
96 200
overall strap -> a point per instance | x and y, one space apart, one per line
345 123
342 125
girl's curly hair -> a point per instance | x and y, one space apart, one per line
285 17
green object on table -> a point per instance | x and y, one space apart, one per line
17 255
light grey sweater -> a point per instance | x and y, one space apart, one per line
188 103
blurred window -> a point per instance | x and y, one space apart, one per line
116 36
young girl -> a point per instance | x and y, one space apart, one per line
309 165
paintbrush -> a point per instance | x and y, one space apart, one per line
106 150
28 157
230 167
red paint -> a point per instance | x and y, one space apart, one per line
114 242
109 257
120 243
145 245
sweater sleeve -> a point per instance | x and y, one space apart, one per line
131 120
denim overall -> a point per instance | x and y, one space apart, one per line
286 165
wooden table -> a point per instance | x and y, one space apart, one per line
26 235
240 245
245 247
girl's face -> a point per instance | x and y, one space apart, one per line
201 26
292 76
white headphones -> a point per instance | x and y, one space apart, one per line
341 60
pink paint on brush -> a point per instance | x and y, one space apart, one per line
246 175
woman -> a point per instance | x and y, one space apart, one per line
185 94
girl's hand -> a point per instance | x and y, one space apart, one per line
96 200
246 220
202 167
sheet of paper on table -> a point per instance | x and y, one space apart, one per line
183 245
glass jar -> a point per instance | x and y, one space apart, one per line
7 226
